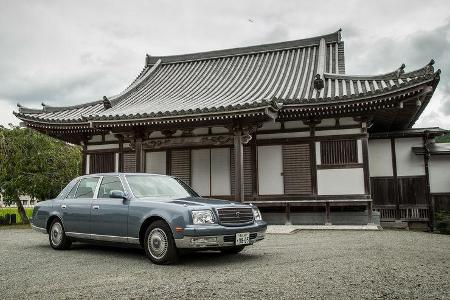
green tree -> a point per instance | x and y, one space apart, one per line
34 164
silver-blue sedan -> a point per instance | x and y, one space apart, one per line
159 213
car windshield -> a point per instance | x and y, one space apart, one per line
158 186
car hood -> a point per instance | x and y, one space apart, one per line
200 201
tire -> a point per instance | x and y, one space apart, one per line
232 250
57 236
159 244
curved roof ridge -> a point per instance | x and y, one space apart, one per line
334 37
397 74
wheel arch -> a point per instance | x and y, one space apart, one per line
147 222
50 221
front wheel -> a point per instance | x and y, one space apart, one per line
159 244
232 250
57 236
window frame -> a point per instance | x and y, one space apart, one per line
100 183
94 196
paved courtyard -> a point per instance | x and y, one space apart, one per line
319 264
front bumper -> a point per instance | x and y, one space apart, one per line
215 236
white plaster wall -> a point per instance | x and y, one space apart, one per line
294 124
439 168
359 149
220 171
116 162
270 168
200 168
327 123
271 125
102 147
96 138
200 131
408 163
155 162
110 137
348 121
338 131
219 130
156 134
282 135
380 158
340 181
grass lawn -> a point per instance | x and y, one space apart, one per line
13 210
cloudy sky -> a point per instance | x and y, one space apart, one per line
68 52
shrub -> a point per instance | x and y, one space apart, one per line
443 222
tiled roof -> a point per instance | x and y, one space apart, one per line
235 80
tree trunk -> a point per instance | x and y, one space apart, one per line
22 212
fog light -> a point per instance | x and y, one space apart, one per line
203 241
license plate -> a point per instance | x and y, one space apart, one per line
243 238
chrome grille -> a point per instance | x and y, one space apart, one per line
232 215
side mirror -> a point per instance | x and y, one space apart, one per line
117 194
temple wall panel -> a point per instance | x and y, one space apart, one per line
408 163
340 181
439 174
380 158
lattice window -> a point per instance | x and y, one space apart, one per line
339 152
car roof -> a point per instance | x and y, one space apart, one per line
121 173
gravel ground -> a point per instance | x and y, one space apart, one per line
308 264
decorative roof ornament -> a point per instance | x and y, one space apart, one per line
106 103
147 60
429 67
318 83
400 71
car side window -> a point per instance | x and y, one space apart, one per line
71 194
86 187
109 183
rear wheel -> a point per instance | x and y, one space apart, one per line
232 250
159 244
57 236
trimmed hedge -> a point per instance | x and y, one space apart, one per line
443 222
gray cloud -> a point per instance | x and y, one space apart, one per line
65 52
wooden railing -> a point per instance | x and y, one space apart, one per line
403 213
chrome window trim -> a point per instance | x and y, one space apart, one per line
96 187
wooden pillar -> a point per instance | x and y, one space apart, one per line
238 167
254 158
369 212
120 137
327 213
83 158
139 155
288 214
365 156
394 173
430 202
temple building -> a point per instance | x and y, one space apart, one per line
280 125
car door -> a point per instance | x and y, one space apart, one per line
76 208
109 216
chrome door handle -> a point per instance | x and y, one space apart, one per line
95 207
63 206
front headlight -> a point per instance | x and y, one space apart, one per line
257 214
202 217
